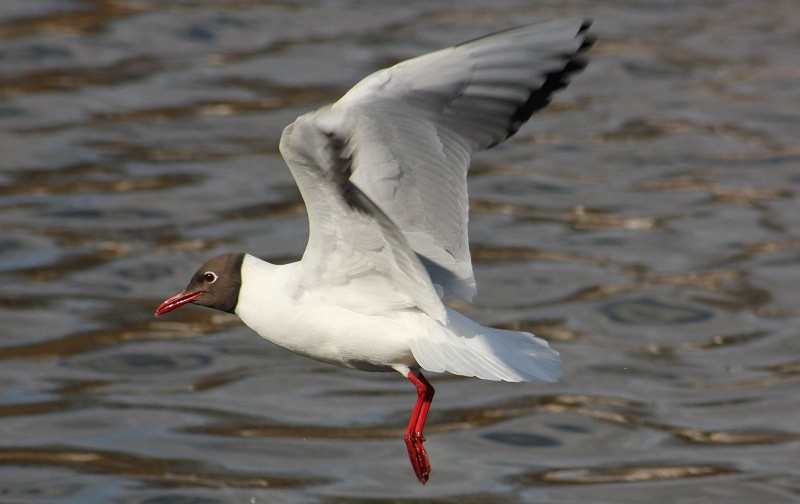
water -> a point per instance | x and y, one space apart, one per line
646 223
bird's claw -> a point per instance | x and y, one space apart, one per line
418 456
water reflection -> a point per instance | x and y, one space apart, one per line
162 472
645 224
623 474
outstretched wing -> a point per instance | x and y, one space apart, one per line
355 254
383 170
416 124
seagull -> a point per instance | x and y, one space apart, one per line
383 174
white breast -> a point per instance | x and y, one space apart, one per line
269 304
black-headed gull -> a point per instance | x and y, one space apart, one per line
383 172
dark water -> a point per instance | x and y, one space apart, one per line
647 224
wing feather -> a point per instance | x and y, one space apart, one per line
383 170
419 122
355 254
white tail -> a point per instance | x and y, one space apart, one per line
466 348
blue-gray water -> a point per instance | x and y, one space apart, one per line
647 224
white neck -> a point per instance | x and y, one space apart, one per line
264 284
266 296
273 303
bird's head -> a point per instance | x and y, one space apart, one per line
215 284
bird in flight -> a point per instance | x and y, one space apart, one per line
383 173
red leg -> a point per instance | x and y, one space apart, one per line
414 437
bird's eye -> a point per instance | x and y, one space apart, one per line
210 277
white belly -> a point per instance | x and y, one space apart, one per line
334 335
317 326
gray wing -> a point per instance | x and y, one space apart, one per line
383 170
356 256
415 125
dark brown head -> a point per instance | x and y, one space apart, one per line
216 285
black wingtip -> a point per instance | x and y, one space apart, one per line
540 97
588 38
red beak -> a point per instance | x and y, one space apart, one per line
176 301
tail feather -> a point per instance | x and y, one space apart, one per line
466 348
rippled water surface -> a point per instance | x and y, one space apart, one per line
647 224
